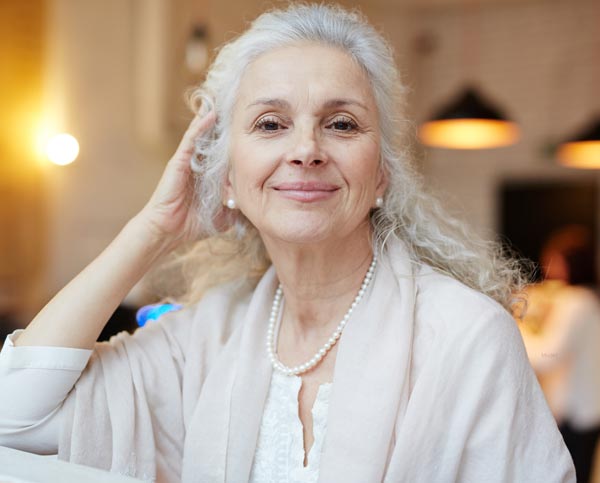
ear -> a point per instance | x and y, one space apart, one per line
382 181
228 191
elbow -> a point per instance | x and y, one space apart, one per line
39 437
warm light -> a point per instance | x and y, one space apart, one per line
196 50
469 133
62 149
580 154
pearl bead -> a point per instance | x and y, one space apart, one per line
271 343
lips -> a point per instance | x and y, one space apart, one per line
306 191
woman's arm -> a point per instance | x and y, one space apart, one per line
76 315
33 384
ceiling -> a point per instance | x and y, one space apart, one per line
427 4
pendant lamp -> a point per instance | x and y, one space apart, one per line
469 122
582 150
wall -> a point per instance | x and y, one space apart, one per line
22 193
90 92
538 60
533 57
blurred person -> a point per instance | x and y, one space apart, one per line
337 326
561 332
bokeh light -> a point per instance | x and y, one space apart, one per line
62 149
469 133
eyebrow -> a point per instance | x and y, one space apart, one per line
282 104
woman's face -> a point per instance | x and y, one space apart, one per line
305 145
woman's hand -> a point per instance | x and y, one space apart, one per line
76 315
168 215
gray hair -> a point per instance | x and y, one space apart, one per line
408 212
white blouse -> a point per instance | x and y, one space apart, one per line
279 456
33 423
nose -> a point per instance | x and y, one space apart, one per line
307 149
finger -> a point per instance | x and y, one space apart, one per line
198 126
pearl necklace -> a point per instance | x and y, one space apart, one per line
271 352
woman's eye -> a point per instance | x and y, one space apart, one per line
343 124
269 124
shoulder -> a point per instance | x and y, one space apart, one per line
577 307
220 306
578 296
441 301
226 299
451 302
456 320
465 325
209 321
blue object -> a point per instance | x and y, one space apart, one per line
153 312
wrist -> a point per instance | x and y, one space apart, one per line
146 237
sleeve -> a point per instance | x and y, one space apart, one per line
511 434
124 413
477 412
34 381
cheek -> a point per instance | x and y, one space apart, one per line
363 166
251 166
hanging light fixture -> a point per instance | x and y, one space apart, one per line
582 150
196 49
469 122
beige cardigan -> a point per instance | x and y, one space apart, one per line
431 384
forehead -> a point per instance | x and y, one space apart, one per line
304 72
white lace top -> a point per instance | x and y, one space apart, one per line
279 456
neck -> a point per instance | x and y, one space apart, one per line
320 281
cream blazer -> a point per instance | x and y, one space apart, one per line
431 384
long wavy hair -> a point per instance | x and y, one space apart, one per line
409 212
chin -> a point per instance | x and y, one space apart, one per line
300 229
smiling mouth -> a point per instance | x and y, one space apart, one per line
307 191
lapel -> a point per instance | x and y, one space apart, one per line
370 386
223 431
251 384
369 394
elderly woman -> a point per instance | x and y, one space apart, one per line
358 335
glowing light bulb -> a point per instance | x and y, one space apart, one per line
469 133
62 149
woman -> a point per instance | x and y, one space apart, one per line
561 332
371 349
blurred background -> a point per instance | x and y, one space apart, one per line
113 73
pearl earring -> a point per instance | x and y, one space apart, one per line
379 202
231 203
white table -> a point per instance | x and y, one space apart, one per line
21 467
